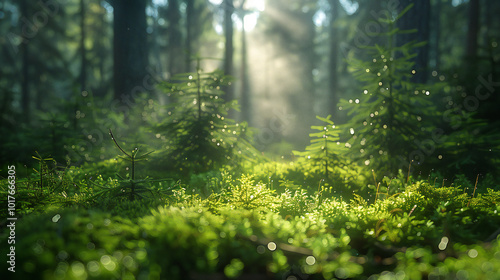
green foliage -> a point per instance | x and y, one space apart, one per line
130 188
324 165
91 118
458 261
295 203
247 194
200 135
75 245
46 187
74 131
277 175
474 148
391 115
324 154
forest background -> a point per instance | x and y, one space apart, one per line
72 70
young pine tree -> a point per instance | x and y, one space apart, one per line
323 155
199 134
390 114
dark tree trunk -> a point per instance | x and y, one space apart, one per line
83 65
102 83
25 82
156 49
130 52
416 18
189 33
436 28
229 48
333 95
472 39
175 58
472 32
39 95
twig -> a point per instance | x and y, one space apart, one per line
409 168
378 185
116 143
474 192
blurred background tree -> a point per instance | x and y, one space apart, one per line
72 69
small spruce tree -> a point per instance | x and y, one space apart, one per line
323 155
391 112
199 134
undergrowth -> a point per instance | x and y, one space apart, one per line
240 225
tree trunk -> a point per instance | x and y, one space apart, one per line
189 33
436 19
416 18
102 83
130 52
83 65
229 48
471 50
174 38
246 107
25 94
333 95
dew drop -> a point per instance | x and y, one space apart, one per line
56 218
271 246
310 260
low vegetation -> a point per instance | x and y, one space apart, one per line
233 225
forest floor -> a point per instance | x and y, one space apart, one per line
72 225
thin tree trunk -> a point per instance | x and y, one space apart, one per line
437 36
25 95
174 38
472 32
333 95
129 48
83 51
39 94
246 107
101 26
416 18
229 48
189 32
